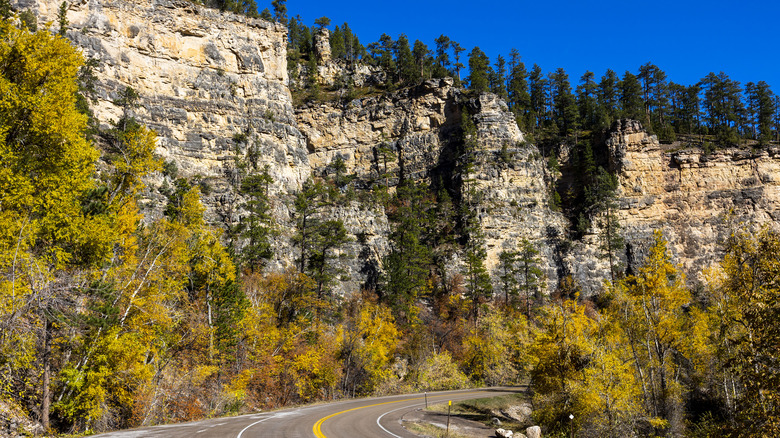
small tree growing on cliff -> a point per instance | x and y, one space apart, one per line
256 226
507 273
531 274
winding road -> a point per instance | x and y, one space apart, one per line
378 417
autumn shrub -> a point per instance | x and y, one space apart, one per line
439 372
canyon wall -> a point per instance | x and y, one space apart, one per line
215 88
697 199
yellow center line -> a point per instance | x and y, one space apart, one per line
318 425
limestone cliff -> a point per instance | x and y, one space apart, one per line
695 198
215 88
202 76
420 127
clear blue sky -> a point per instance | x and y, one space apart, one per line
687 39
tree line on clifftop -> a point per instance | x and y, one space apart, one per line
109 320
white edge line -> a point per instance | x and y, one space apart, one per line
256 422
380 417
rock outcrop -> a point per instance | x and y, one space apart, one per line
414 134
696 199
215 88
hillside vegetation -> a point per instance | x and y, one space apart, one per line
110 320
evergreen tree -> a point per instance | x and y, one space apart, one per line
266 15
456 51
322 23
406 71
761 110
776 117
478 287
655 96
507 273
337 44
442 56
479 65
631 105
519 98
280 10
684 108
532 275
327 236
256 227
608 93
723 107
407 264
422 59
601 196
564 105
62 19
5 9
498 84
586 101
28 20
382 53
538 86
307 205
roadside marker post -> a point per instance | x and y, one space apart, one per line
426 400
449 407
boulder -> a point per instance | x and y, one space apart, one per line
534 432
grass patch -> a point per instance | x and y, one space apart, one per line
483 410
430 430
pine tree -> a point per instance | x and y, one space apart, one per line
532 276
256 226
408 263
62 19
498 84
479 65
307 205
280 10
382 53
406 69
538 86
655 95
519 98
631 105
442 56
586 101
422 59
507 273
322 23
456 51
761 110
723 107
608 98
564 105
337 44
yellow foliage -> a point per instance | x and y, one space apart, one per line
488 350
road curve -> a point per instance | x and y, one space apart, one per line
378 417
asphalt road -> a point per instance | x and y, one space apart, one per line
378 417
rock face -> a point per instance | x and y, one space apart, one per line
322 46
202 76
414 134
215 88
212 85
694 198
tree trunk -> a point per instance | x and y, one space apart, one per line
46 358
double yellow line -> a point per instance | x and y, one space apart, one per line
318 425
